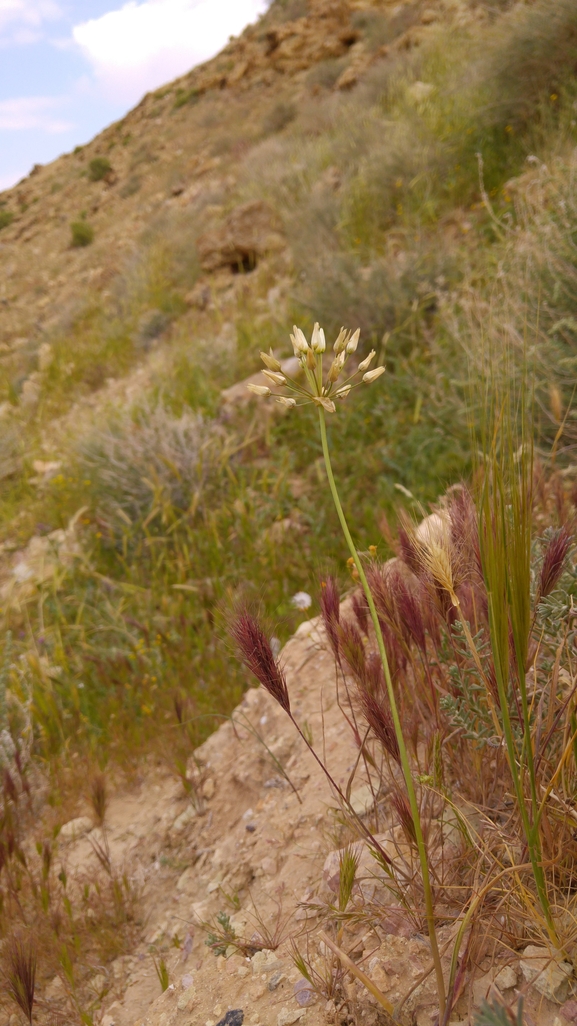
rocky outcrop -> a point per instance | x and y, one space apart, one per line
248 233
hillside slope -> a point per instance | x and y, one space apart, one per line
175 161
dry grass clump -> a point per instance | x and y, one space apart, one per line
61 924
147 460
20 974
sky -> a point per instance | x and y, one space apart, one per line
70 67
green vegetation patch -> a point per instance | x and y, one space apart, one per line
82 233
99 168
6 218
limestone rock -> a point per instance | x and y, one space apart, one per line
286 1016
76 828
55 991
362 799
506 978
181 822
186 999
547 972
265 962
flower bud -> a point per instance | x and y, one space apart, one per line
270 361
371 376
259 389
341 341
277 379
311 359
353 342
336 367
318 344
343 392
366 363
285 400
300 344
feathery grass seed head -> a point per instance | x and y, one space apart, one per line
553 564
258 656
20 974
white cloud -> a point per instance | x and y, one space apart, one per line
25 18
36 112
143 45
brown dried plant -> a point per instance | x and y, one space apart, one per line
99 797
20 972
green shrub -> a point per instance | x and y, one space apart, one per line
99 168
82 233
6 218
535 57
184 96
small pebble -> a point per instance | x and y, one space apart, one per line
303 992
233 1018
276 980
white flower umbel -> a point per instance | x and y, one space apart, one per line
320 388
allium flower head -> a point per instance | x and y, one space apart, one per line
319 387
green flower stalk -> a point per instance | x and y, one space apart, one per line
321 390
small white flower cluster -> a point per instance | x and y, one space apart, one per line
322 389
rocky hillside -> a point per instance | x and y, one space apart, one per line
408 168
179 158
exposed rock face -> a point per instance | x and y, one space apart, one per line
249 233
547 972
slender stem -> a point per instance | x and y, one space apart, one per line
421 847
530 830
354 969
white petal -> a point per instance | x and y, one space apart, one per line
366 363
353 342
371 376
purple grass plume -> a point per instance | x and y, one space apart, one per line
353 649
330 611
381 723
361 611
553 564
403 810
258 657
20 973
